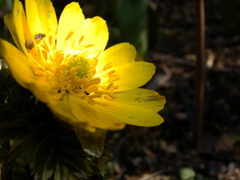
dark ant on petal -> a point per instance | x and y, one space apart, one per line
29 44
39 36
86 93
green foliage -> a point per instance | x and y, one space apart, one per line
2 3
187 173
116 135
131 21
44 149
134 24
235 138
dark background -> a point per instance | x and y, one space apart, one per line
161 152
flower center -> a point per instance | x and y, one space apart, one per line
79 64
73 71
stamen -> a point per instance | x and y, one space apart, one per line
92 89
36 71
109 86
111 95
73 74
108 98
107 66
75 68
94 81
58 58
91 82
69 35
89 45
50 40
82 82
66 82
45 47
113 78
111 72
95 96
74 87
45 55
115 87
80 40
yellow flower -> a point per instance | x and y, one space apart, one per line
66 66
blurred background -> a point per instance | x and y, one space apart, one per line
163 33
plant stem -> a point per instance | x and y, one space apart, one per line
200 52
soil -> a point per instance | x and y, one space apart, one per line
161 152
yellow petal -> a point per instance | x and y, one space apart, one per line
74 110
63 112
8 19
41 89
47 16
117 55
70 23
33 17
133 108
133 75
20 24
95 32
86 112
17 62
146 98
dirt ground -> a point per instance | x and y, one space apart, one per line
161 152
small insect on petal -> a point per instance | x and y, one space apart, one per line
39 36
29 44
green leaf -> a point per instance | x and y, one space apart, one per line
187 173
53 151
134 24
92 142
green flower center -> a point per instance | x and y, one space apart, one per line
80 64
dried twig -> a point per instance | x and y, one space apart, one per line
200 52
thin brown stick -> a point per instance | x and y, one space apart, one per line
200 52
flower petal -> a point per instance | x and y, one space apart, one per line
146 98
117 55
33 17
95 32
133 107
41 88
70 26
133 75
8 19
18 63
86 112
47 16
21 26
75 110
